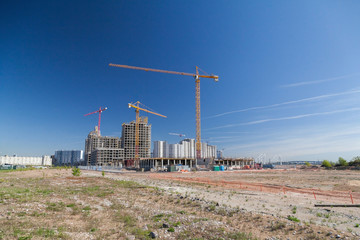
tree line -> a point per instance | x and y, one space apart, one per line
342 163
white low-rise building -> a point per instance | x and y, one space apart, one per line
33 161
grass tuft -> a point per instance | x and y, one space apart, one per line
293 218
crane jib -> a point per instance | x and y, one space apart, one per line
162 71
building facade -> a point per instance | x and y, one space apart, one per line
105 145
189 147
160 149
107 157
29 161
128 139
183 149
69 157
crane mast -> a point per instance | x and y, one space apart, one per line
137 121
197 77
198 117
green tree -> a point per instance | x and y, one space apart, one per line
355 161
326 164
307 164
342 162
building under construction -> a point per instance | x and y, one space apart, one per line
115 151
103 150
236 163
161 164
107 156
128 139
184 149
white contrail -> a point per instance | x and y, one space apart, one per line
319 81
287 118
287 103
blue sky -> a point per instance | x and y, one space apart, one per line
289 74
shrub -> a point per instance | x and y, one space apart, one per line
342 162
355 161
326 164
76 172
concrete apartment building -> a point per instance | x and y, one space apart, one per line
184 149
103 150
29 161
128 139
160 149
107 156
69 157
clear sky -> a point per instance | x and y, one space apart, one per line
289 74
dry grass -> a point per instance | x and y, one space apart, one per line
53 204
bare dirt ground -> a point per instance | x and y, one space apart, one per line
51 203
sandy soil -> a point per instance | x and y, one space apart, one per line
100 207
275 204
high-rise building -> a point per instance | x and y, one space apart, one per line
189 147
184 149
94 142
128 139
180 150
211 151
173 150
160 149
69 157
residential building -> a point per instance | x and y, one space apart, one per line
128 139
69 157
29 161
105 145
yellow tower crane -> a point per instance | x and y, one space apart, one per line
137 110
197 95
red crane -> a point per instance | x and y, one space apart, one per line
98 111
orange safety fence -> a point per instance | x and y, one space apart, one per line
317 194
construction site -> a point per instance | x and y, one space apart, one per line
125 189
133 149
180 120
